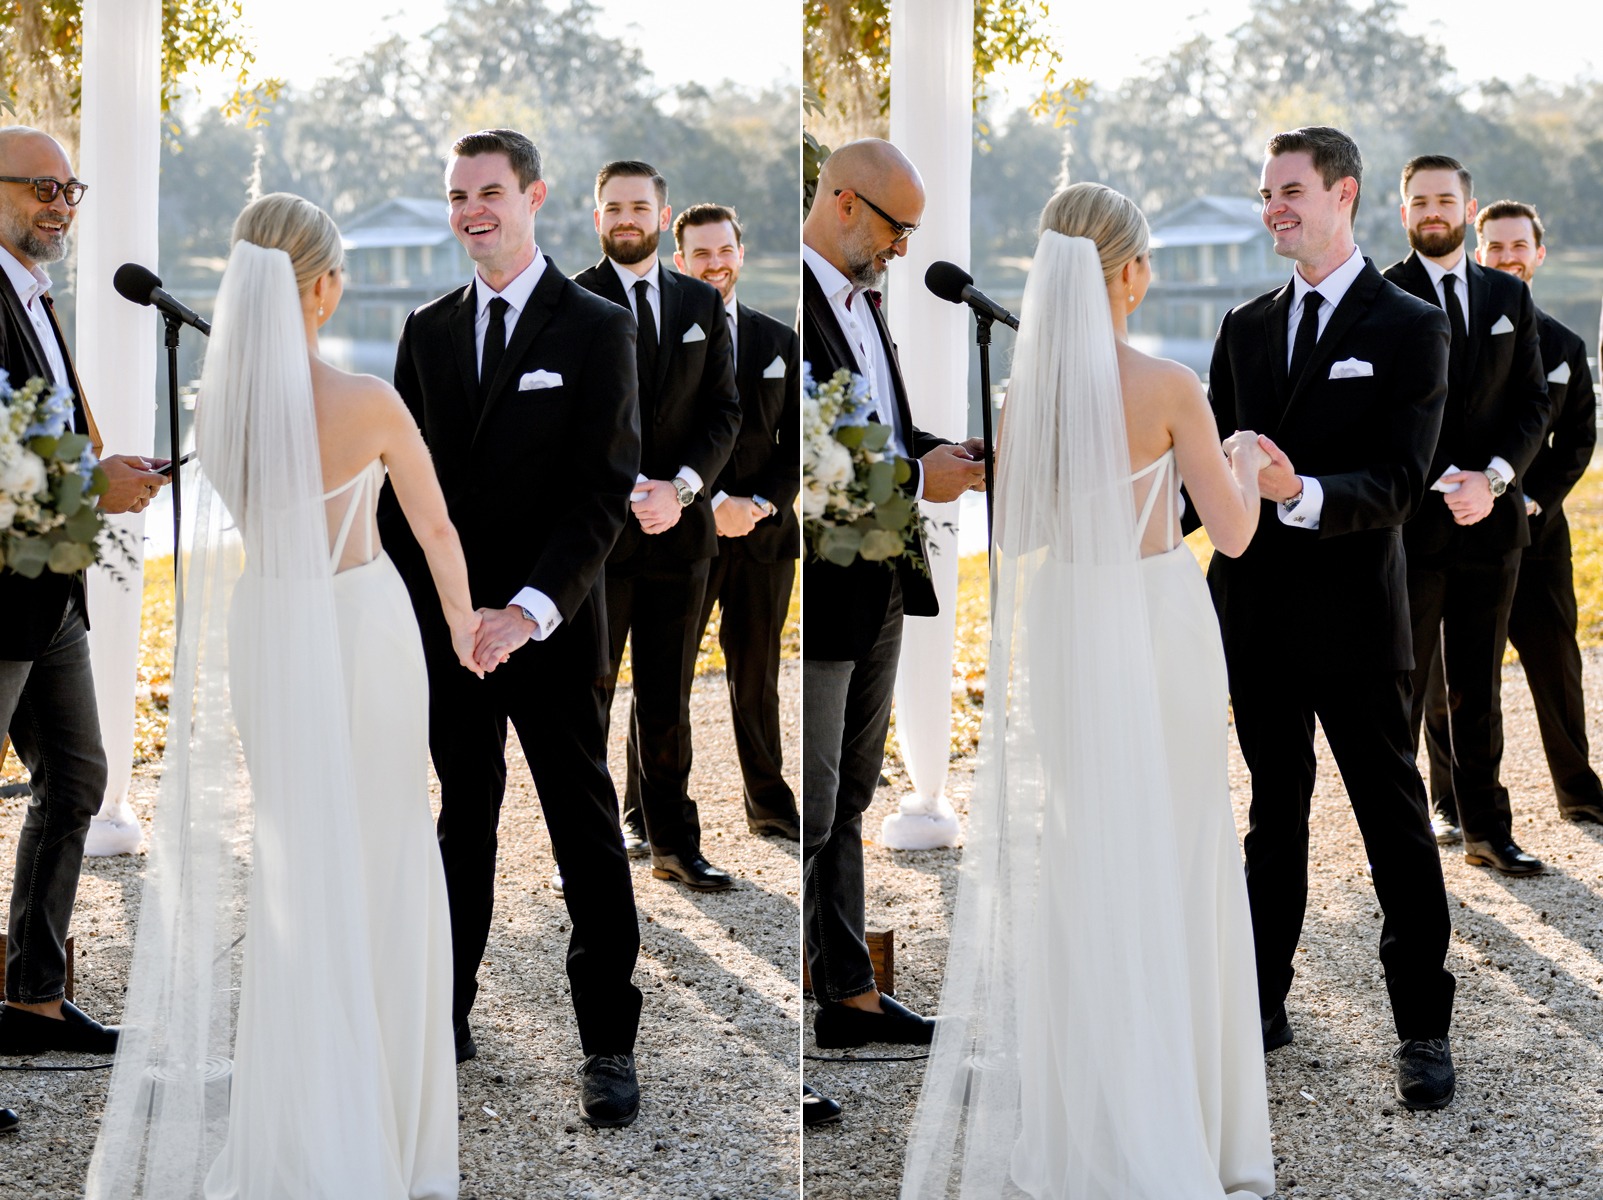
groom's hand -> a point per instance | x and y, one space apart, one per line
658 508
949 471
1472 501
1278 481
501 631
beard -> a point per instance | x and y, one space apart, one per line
626 254
21 233
862 261
1437 243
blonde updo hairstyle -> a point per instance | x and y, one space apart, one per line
280 221
1111 220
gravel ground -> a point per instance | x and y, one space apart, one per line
1528 1023
717 1050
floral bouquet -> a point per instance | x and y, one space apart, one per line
50 480
852 503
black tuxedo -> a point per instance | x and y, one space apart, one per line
1542 619
47 706
537 487
1461 577
851 640
752 576
1315 621
689 415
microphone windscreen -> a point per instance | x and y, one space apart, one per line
947 280
134 282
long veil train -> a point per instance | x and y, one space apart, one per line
1063 1063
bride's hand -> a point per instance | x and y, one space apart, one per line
1245 442
464 634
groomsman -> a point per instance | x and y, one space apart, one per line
657 573
521 380
47 690
753 506
1346 374
1542 620
1463 545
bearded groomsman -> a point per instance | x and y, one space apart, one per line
1463 545
753 506
1542 620
657 573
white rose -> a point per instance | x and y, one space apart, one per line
815 499
834 464
8 513
25 477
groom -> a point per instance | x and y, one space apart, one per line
524 386
1347 374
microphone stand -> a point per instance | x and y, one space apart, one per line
174 326
982 338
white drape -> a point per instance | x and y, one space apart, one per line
932 71
120 158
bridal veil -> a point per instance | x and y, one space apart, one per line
254 824
1062 1064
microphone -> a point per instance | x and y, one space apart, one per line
951 282
143 286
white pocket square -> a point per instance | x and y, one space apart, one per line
1559 374
776 369
1351 368
1504 325
539 379
694 334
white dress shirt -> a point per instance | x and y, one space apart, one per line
1460 272
653 279
872 360
31 286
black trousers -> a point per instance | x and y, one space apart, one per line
554 700
1541 624
653 601
1365 718
1460 613
752 599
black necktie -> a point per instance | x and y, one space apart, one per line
1307 334
495 348
646 338
1456 323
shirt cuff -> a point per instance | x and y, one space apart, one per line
690 477
1305 513
719 499
546 616
918 470
1502 467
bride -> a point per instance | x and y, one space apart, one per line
1099 1035
304 878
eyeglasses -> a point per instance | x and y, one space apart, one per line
47 189
902 232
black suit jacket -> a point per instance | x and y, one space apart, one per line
1499 407
767 458
845 606
690 411
538 486
1571 435
31 609
1335 598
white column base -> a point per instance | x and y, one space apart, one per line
114 830
923 823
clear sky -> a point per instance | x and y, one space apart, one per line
753 42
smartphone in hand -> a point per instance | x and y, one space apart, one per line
167 469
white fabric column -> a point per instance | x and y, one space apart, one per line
932 72
120 159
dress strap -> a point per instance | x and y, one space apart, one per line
357 486
1158 467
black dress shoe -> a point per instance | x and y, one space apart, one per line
1425 1078
1505 856
635 842
1582 814
9 1120
23 1032
692 870
817 1108
840 1026
1447 830
609 1095
775 825
556 881
1276 1030
466 1047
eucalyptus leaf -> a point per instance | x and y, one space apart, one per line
881 482
904 471
850 436
839 544
44 447
72 446
84 525
894 514
67 557
69 494
875 437
880 544
29 556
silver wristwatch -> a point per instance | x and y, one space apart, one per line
1498 484
529 616
684 491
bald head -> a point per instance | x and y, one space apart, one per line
869 198
32 230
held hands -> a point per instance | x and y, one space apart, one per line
657 507
737 516
500 632
949 471
1244 452
464 634
133 482
1472 500
1278 481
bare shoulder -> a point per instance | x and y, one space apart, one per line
1160 379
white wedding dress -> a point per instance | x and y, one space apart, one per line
1097 1036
